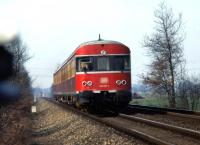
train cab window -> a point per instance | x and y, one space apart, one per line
117 63
103 64
127 62
120 63
85 64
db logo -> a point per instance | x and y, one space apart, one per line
104 80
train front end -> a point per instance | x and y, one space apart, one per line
103 74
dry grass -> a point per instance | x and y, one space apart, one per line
15 123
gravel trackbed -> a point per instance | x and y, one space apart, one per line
54 125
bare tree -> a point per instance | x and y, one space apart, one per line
19 51
20 56
165 47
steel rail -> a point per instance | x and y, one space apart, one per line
181 111
161 111
184 115
189 132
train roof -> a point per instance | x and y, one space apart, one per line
101 41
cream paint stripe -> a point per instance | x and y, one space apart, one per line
101 55
100 72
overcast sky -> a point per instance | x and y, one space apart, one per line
52 29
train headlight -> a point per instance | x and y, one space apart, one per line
84 83
89 83
118 82
124 82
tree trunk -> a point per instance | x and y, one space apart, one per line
172 86
171 101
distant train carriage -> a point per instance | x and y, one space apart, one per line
97 74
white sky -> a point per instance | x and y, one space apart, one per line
52 29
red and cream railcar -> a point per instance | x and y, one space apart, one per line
97 73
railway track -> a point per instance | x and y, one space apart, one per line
186 131
147 130
175 119
166 111
181 111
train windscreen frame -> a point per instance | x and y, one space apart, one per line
103 63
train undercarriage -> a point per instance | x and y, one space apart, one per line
97 102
